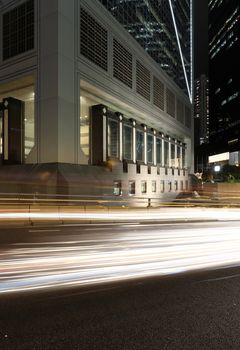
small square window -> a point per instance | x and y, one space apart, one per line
169 186
162 186
117 188
154 186
131 188
144 186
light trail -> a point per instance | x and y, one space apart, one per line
102 257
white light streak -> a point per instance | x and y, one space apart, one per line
180 50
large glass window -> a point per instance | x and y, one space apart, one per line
23 90
140 145
184 157
85 104
172 154
159 150
150 148
113 138
166 153
127 142
178 156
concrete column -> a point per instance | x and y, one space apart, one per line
57 120
154 148
145 145
134 141
163 161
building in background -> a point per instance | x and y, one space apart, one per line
201 122
164 30
223 78
85 109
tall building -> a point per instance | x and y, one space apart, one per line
223 77
85 109
201 110
201 122
164 30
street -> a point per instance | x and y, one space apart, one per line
199 311
121 286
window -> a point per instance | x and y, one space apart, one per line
127 142
23 89
162 186
181 185
169 186
172 154
186 184
154 186
144 186
113 138
166 153
159 150
140 145
178 156
150 148
131 188
175 185
117 188
183 157
18 30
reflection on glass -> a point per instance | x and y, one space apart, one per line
113 138
150 148
140 145
127 142
85 104
159 151
166 154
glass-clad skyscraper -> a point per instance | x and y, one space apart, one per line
163 29
224 83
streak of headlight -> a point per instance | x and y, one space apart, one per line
108 258
140 215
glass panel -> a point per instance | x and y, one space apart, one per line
178 157
183 157
149 148
127 142
172 154
159 151
117 188
131 188
113 138
139 145
23 90
1 135
144 187
85 104
169 186
166 153
176 185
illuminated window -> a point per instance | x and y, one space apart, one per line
117 188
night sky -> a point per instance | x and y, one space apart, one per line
200 37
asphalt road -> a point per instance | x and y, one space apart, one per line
193 310
200 311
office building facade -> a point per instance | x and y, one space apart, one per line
223 78
201 122
84 109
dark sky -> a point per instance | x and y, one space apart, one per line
200 37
